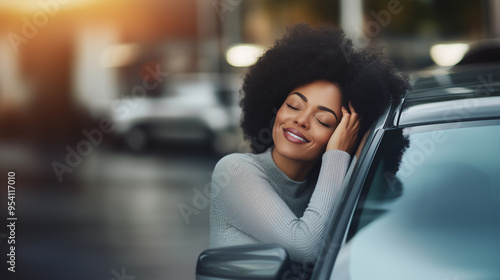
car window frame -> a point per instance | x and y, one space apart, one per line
342 218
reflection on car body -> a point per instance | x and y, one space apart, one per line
443 225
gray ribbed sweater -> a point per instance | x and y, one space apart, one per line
253 201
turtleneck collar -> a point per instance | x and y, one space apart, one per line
280 180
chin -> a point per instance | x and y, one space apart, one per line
298 153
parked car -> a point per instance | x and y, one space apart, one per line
421 202
482 51
192 108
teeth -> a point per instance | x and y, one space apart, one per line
296 137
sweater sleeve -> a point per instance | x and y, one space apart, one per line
249 203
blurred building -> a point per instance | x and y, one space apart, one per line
58 59
63 61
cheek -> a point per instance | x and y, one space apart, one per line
323 137
277 121
281 117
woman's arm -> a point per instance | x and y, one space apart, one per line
248 202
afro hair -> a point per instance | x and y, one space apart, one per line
366 78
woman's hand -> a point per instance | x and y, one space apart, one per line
345 136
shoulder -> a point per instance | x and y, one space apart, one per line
234 175
236 158
237 164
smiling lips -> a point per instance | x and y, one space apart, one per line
294 136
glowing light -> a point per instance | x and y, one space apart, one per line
119 55
49 7
448 54
243 55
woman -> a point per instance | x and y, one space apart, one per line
302 106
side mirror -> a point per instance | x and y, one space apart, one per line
254 261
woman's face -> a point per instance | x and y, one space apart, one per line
306 120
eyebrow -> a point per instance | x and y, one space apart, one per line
300 95
328 110
323 108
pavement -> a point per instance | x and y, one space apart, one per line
117 216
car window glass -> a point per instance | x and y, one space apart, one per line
434 217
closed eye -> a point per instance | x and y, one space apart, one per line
293 108
324 124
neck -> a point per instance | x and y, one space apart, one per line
294 169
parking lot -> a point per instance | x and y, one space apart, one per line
121 220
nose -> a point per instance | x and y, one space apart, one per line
302 120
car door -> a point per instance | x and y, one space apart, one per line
427 207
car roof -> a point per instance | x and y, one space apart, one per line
449 94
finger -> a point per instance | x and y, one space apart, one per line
344 111
345 116
353 112
355 117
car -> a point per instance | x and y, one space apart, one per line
192 108
482 51
422 200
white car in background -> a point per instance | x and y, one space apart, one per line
191 109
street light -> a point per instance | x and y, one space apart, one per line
243 55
